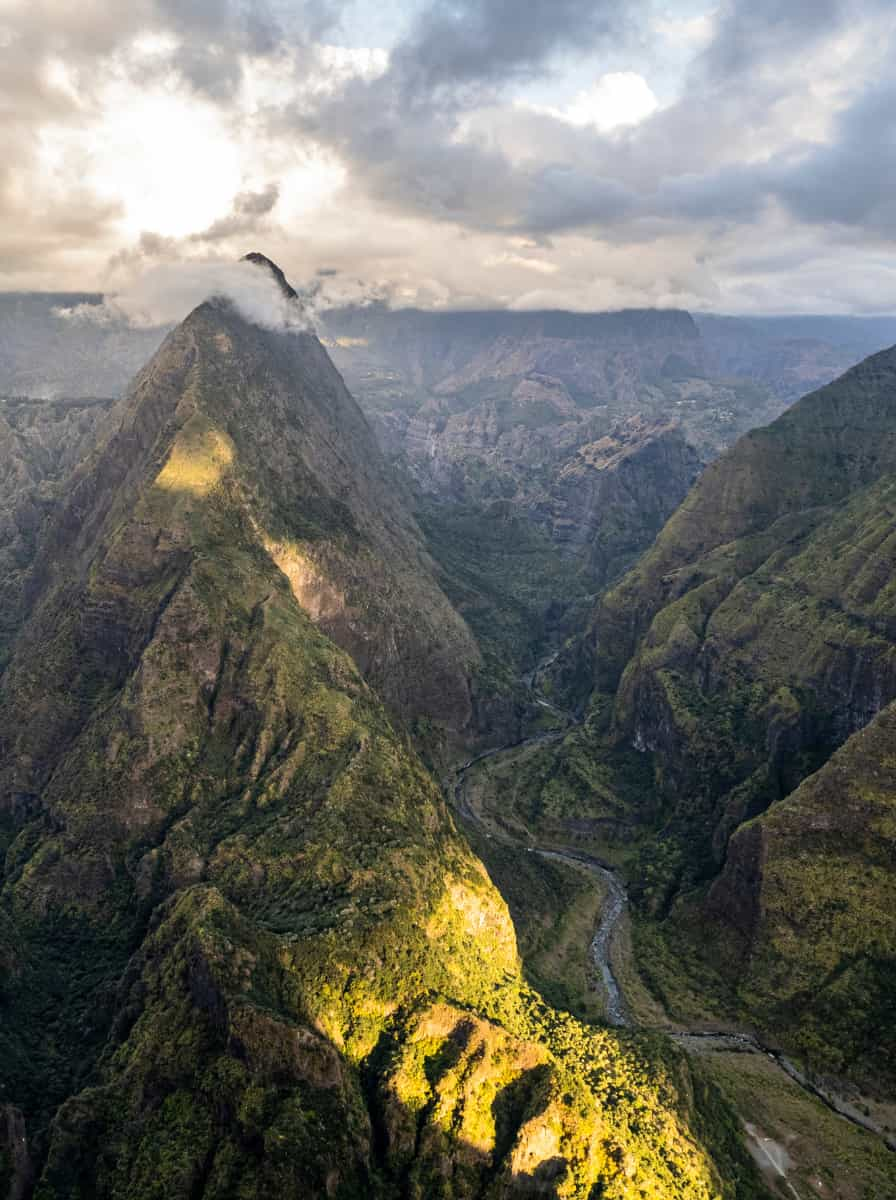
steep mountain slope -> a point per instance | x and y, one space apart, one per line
491 404
41 442
459 394
538 415
755 637
810 888
613 496
790 355
244 951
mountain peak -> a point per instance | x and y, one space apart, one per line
261 260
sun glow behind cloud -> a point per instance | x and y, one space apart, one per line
172 161
406 151
169 160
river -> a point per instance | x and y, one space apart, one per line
615 906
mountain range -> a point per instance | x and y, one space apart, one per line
751 655
337 733
245 950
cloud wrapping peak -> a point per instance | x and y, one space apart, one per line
165 294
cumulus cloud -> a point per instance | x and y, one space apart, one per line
610 152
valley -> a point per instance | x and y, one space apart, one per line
447 600
734 1057
243 638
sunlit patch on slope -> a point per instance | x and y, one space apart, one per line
199 459
314 592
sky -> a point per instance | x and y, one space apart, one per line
717 155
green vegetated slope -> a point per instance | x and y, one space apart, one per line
243 951
512 586
811 885
41 442
754 638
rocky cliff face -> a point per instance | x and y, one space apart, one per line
457 394
244 951
810 889
41 442
539 411
756 637
613 496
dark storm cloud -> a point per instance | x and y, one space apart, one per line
563 197
849 181
217 34
400 132
749 34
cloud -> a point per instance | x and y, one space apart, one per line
848 181
615 100
564 197
441 168
474 42
245 216
165 294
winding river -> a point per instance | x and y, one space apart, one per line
618 1013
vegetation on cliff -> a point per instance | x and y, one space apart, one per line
755 637
244 951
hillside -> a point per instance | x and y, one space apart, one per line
41 443
755 638
244 950
790 355
810 891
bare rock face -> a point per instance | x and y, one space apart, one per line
615 494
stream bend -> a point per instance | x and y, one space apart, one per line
613 911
